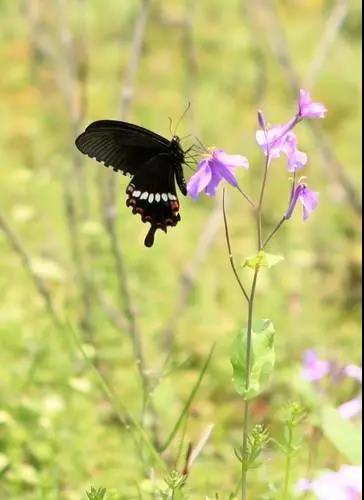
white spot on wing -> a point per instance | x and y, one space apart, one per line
171 196
158 197
164 197
151 198
136 194
144 196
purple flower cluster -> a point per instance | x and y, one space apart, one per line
344 484
315 369
274 141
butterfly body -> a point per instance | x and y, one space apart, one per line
154 162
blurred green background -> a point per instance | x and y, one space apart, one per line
65 63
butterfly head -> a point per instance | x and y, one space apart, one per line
176 150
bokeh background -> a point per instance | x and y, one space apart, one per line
75 277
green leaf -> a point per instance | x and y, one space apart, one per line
344 435
263 259
98 494
262 359
188 403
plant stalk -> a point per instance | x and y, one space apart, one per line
244 468
287 475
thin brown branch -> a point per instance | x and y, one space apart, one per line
128 88
38 283
190 56
83 278
110 310
330 32
195 451
32 12
125 295
72 75
258 53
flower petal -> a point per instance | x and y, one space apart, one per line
216 178
354 371
226 172
296 159
344 484
200 179
309 200
231 160
308 108
314 368
272 140
293 201
351 408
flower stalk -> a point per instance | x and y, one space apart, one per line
244 462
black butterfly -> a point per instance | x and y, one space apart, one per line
153 161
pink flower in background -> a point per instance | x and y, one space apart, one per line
345 484
212 170
351 408
354 371
309 109
314 368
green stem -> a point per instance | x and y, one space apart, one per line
273 232
260 203
287 475
247 198
231 256
244 467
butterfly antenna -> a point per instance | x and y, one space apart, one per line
181 117
185 137
170 125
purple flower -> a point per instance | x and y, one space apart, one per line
354 371
309 109
296 159
281 139
351 408
308 198
213 169
314 368
345 484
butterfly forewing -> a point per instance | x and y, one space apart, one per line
122 146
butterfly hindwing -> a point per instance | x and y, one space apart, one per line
152 194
